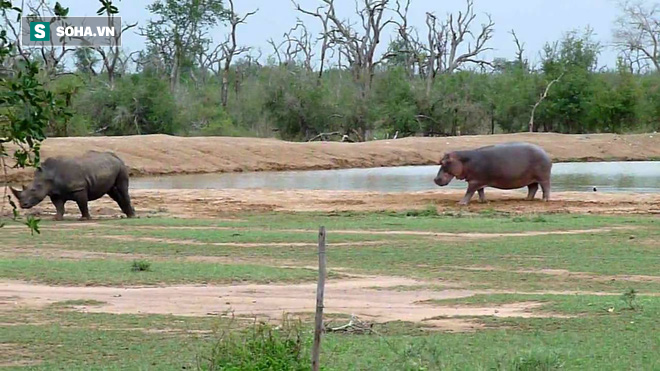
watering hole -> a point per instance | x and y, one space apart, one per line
637 176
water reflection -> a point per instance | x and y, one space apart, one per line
604 176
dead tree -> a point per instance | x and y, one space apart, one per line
637 33
230 49
541 99
295 45
112 57
303 44
445 41
407 36
52 56
358 47
458 29
520 50
292 46
325 35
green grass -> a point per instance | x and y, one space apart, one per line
594 340
56 339
119 272
486 222
603 334
617 252
79 302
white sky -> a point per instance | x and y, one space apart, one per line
535 21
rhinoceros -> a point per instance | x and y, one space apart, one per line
82 179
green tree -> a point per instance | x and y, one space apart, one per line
574 58
178 34
395 103
614 107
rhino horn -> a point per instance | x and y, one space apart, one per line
16 192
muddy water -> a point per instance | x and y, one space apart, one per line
641 176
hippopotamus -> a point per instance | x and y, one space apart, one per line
82 179
504 166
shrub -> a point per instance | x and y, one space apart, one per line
141 266
262 347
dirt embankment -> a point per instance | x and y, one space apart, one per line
207 203
162 154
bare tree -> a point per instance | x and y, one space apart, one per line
323 15
520 50
358 47
112 56
457 30
541 99
408 40
230 48
355 45
445 41
295 45
637 33
52 56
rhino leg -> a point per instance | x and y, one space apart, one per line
59 208
81 200
123 198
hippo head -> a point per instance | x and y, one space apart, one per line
450 166
35 192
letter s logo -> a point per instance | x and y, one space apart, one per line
40 31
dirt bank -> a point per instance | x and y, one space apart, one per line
162 154
218 203
372 298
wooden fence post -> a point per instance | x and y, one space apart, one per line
320 287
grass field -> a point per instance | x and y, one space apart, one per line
572 275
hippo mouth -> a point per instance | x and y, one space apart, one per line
443 179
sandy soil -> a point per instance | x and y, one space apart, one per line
162 154
372 298
224 203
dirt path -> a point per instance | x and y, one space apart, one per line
355 296
162 154
219 203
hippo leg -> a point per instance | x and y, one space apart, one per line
482 195
545 186
81 200
59 208
532 191
472 187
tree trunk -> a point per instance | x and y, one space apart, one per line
225 86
